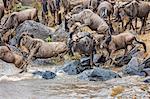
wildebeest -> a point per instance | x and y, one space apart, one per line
89 18
54 7
98 40
83 43
105 10
10 57
121 41
15 18
9 4
44 11
1 11
37 48
136 9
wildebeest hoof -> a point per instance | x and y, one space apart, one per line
23 71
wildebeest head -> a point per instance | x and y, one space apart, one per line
106 41
119 12
10 22
72 20
131 8
24 43
24 38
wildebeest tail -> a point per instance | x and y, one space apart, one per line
144 45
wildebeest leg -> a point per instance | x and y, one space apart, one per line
32 53
144 25
136 24
127 24
108 56
125 53
112 59
131 25
91 59
142 20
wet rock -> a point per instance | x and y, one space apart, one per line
99 59
60 34
146 63
133 67
98 74
126 59
8 68
146 71
85 61
37 29
74 67
45 75
147 80
42 62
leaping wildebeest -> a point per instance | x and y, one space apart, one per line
105 10
16 18
89 18
121 41
8 56
37 48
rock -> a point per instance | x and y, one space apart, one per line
126 59
146 71
133 67
60 34
146 63
37 29
74 67
8 68
85 61
147 80
43 62
99 59
98 74
45 75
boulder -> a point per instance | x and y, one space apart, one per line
146 63
43 62
73 68
8 68
85 61
37 29
45 75
126 59
97 59
147 80
98 74
60 34
133 67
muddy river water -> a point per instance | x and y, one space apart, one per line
27 86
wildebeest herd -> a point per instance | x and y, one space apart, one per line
98 15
